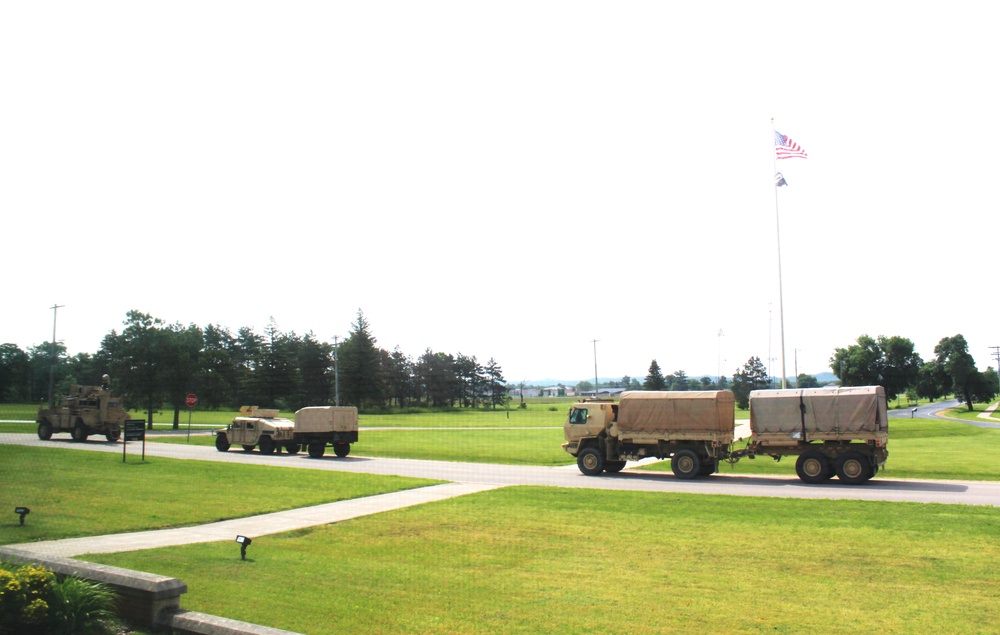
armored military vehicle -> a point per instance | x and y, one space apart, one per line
86 410
258 428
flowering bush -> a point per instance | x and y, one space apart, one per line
34 601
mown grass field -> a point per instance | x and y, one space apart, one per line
73 493
530 560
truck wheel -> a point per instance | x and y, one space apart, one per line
44 430
613 467
812 467
113 436
590 461
853 468
79 432
292 448
341 449
266 445
686 464
221 443
316 450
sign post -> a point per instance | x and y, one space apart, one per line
135 430
190 401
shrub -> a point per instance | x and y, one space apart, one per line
34 601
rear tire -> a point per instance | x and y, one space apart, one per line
853 468
590 461
113 436
316 450
341 449
613 467
812 467
686 464
292 448
44 430
221 443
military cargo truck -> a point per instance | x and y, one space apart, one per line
842 431
830 431
694 429
319 426
258 428
86 410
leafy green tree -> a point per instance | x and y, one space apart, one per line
859 364
315 363
900 365
584 386
753 376
180 364
15 374
217 373
931 381
679 381
806 381
496 385
361 379
397 368
959 367
654 378
137 362
437 379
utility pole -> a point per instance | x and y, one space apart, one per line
336 372
996 356
52 362
596 383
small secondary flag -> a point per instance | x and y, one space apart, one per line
779 179
785 148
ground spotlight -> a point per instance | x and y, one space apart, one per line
22 512
244 543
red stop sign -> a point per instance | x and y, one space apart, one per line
191 401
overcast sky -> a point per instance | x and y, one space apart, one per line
510 180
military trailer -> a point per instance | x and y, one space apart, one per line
258 428
830 431
319 426
85 411
694 429
842 431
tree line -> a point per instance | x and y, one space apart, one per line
890 362
155 365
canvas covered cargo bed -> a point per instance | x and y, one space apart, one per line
791 416
708 414
321 419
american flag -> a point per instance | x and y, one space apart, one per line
785 148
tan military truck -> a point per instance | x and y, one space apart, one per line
258 428
86 410
694 429
830 431
319 426
842 431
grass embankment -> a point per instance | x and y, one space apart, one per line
529 560
73 493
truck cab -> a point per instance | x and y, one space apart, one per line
588 420
258 427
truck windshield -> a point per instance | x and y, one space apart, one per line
578 415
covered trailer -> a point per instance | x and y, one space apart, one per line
842 431
319 426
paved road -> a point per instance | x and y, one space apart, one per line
884 487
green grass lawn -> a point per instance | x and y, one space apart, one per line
73 493
530 560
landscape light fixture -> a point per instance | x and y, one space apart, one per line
244 543
22 512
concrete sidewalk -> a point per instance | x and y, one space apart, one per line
253 526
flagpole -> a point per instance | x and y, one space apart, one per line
781 301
